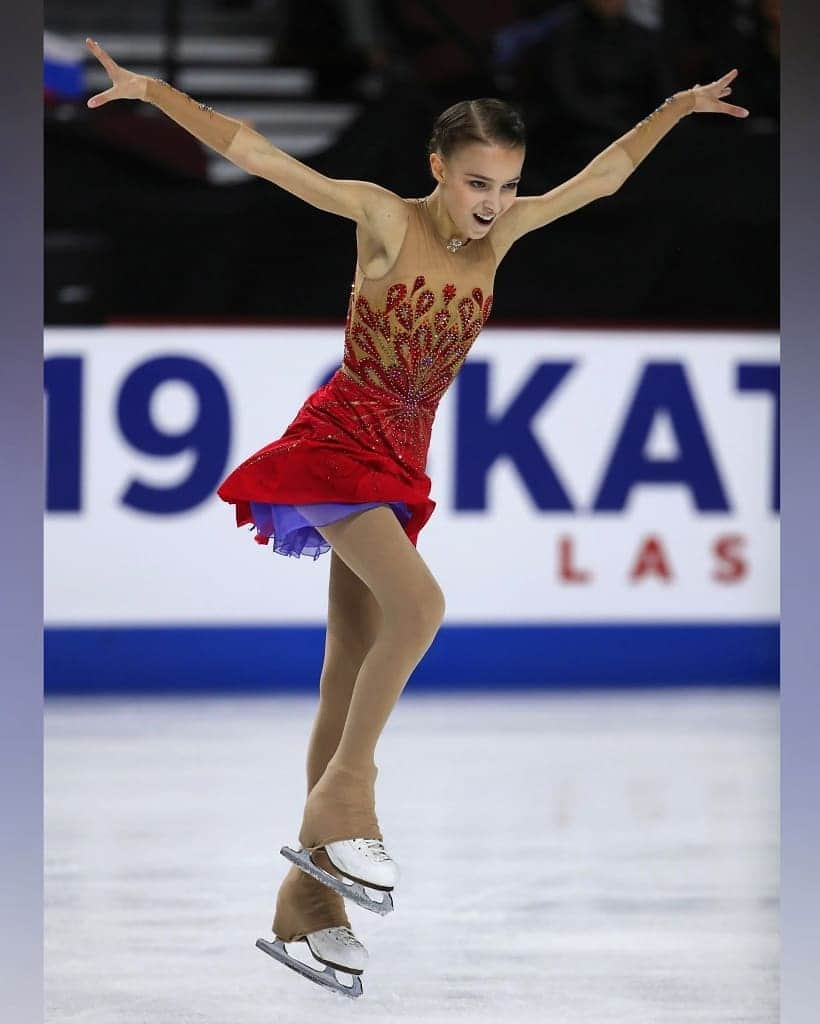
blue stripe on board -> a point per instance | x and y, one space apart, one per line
289 658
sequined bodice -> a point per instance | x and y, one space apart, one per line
410 332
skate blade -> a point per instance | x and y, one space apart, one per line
326 978
350 890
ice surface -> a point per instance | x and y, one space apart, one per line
600 858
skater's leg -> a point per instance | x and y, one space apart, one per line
353 621
376 549
304 905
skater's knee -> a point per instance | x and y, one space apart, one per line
418 617
435 606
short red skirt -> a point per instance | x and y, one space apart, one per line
350 443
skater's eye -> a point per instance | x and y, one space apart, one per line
510 184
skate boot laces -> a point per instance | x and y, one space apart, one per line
375 849
344 935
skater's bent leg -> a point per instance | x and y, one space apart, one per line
375 547
353 622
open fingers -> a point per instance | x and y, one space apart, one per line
709 98
729 108
725 90
104 59
103 97
720 85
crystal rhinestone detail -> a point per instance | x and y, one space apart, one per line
411 347
411 350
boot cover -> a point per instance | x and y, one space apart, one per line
342 805
304 905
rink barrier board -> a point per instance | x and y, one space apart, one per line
637 472
288 659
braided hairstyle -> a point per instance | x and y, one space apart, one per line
490 121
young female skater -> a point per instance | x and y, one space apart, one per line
348 475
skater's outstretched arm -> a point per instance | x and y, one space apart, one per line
248 149
605 174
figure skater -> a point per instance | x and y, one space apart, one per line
348 475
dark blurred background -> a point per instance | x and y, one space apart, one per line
144 223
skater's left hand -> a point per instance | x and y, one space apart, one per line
708 98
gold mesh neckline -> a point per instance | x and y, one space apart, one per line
447 243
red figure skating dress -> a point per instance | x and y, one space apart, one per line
361 440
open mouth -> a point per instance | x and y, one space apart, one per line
484 222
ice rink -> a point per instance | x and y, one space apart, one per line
605 858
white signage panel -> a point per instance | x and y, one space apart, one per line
579 476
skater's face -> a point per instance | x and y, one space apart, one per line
478 181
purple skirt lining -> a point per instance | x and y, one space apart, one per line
293 527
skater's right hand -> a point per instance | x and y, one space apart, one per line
126 85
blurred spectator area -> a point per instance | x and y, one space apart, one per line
144 222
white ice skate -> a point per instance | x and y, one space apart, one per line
337 948
365 862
